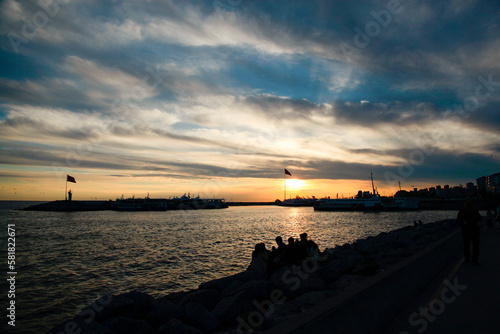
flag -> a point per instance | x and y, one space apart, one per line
70 179
287 172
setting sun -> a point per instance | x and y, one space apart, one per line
294 184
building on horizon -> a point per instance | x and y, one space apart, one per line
490 183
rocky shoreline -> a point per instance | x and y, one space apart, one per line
248 303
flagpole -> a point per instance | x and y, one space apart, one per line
66 191
284 183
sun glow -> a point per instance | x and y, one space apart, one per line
294 184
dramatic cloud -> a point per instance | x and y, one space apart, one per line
174 92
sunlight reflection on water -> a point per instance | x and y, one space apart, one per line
67 260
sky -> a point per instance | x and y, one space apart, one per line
216 98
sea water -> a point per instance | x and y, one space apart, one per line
67 260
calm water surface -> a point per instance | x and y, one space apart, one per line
65 261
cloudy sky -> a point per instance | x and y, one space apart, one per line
218 97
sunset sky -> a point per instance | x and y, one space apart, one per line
217 97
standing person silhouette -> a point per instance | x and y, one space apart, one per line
468 219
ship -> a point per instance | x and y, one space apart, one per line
140 204
185 202
367 202
299 201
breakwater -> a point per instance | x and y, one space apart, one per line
246 302
131 204
71 206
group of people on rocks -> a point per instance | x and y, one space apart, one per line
265 261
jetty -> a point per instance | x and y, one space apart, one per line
71 206
131 204
365 286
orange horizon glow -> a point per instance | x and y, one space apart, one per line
98 187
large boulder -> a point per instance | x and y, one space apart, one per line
107 307
82 326
124 325
200 315
256 287
206 297
365 266
228 282
230 308
175 326
337 267
142 304
163 312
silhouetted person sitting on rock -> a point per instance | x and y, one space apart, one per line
278 254
281 245
468 219
292 251
303 245
260 260
313 250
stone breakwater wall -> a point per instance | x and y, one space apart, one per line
369 278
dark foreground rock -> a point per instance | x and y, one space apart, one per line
244 302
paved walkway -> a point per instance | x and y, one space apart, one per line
464 298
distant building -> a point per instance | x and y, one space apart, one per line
481 183
490 183
494 183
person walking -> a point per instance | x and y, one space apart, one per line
468 219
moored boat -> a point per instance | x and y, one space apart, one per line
367 202
184 202
299 201
375 203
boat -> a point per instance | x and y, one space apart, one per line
299 201
139 204
185 202
367 202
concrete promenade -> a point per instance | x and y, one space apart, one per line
469 303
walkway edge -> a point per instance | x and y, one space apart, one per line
371 306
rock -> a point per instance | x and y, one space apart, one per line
81 325
131 304
206 297
399 254
312 298
163 312
202 316
142 304
124 325
312 283
229 308
368 246
175 326
365 266
286 279
227 282
337 267
256 287
108 306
